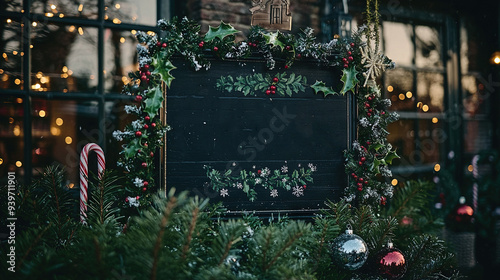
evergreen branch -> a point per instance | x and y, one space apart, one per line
54 189
33 244
264 252
283 249
172 202
406 200
190 232
98 254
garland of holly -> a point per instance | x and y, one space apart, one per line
367 161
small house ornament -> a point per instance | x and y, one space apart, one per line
272 14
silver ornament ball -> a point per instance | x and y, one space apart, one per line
349 250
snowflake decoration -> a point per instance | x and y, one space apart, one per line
239 186
265 172
312 167
298 191
224 193
283 180
133 201
138 182
374 62
258 181
274 193
284 169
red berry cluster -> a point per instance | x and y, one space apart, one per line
348 59
201 44
272 87
253 44
360 181
161 44
145 75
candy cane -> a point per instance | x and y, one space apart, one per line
475 174
84 174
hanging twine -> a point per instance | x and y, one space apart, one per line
373 18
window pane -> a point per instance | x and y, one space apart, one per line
399 88
11 136
402 138
12 56
120 54
61 128
14 5
431 136
64 8
130 11
64 58
428 47
430 90
397 42
116 119
477 136
475 96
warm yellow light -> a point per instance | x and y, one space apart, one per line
80 30
133 32
9 20
64 75
80 8
22 53
44 80
31 46
390 88
14 52
5 78
65 69
59 121
1 71
16 130
55 131
19 163
19 100
425 108
134 18
435 120
70 72
71 185
42 113
65 90
17 81
53 7
92 77
125 80
49 14
151 33
4 55
437 167
34 24
106 17
71 28
1 161
68 140
470 168
409 94
11 120
61 15
394 182
420 104
401 96
117 6
116 21
36 86
39 75
496 60
122 40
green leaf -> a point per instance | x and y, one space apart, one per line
349 79
131 150
220 31
153 102
163 69
320 86
390 156
273 40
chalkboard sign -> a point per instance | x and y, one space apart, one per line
223 130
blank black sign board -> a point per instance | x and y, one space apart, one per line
229 130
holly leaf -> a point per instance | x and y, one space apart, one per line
220 31
163 69
390 156
132 147
273 40
320 86
349 79
153 102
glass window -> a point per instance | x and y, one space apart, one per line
11 62
399 87
398 42
428 47
65 8
64 58
60 129
430 91
402 138
14 5
475 94
116 119
11 136
130 11
120 54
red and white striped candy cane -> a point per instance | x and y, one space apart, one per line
84 174
475 174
